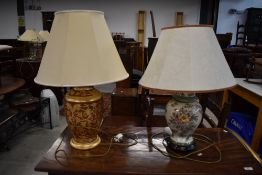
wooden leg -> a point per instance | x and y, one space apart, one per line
225 97
258 130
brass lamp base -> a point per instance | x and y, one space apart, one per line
83 110
85 146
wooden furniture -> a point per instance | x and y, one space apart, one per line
8 115
141 18
124 101
240 34
179 18
149 99
142 158
224 40
131 54
238 59
253 94
27 69
250 33
214 113
9 84
253 25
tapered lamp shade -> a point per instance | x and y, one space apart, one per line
31 35
44 34
188 59
80 52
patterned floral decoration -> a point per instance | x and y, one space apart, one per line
183 118
84 118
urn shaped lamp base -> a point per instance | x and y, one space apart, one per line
183 115
83 110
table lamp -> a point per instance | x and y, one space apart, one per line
31 36
186 60
80 53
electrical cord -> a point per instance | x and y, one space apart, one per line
202 138
125 135
198 137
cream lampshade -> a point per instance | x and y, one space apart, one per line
80 53
44 35
31 35
186 60
5 47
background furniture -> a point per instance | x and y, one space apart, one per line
240 34
9 115
253 26
124 101
27 69
253 94
142 158
141 21
238 59
214 113
151 99
250 33
224 40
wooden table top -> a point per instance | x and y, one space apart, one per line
142 158
9 84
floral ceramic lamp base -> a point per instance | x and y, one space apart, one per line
183 115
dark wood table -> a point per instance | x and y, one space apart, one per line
9 84
142 158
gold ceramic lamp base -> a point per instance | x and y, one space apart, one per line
83 110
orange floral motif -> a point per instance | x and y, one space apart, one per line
184 118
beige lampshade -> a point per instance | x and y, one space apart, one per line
188 59
80 52
44 35
5 47
30 35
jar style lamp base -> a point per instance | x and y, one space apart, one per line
183 115
83 110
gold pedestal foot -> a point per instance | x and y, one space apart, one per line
85 146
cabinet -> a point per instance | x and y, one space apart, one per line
253 26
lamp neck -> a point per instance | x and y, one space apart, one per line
85 88
185 97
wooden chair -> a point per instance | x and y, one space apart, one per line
214 114
149 99
224 40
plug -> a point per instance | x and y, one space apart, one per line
168 131
118 138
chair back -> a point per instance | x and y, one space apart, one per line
214 114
